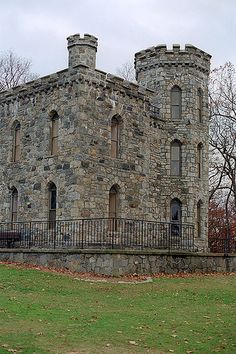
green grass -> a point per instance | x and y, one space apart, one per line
44 312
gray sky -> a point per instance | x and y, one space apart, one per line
37 29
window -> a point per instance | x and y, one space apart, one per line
176 99
199 217
175 158
199 104
199 160
175 216
14 205
113 207
52 201
113 202
16 143
114 137
54 133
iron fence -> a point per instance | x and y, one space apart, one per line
98 233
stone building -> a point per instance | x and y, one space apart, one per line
81 143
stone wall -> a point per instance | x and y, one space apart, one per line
123 262
83 170
161 69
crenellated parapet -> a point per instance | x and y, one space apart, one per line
82 50
160 56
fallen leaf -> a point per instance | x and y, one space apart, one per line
132 342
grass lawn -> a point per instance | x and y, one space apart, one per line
43 312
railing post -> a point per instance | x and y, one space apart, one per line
112 233
82 239
193 237
30 233
169 236
142 236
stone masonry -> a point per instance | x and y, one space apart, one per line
83 171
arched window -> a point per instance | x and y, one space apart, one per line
14 205
175 216
54 133
176 103
199 160
16 143
52 205
113 207
199 104
115 132
199 217
113 201
175 158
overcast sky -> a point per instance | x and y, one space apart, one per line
37 29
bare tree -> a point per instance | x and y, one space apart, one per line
14 70
127 72
222 92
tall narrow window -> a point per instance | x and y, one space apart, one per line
176 103
54 133
175 217
113 208
14 205
114 137
199 104
113 202
199 160
16 143
199 216
52 201
175 158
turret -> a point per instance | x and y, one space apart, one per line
161 60
82 50
179 78
161 69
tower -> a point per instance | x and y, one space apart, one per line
82 50
179 78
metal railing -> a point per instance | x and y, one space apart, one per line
98 233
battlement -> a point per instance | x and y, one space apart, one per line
160 55
87 40
82 50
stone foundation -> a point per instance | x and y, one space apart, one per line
117 262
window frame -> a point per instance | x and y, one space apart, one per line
176 224
54 133
199 160
199 105
115 137
52 205
173 161
14 205
114 203
176 103
199 219
16 153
